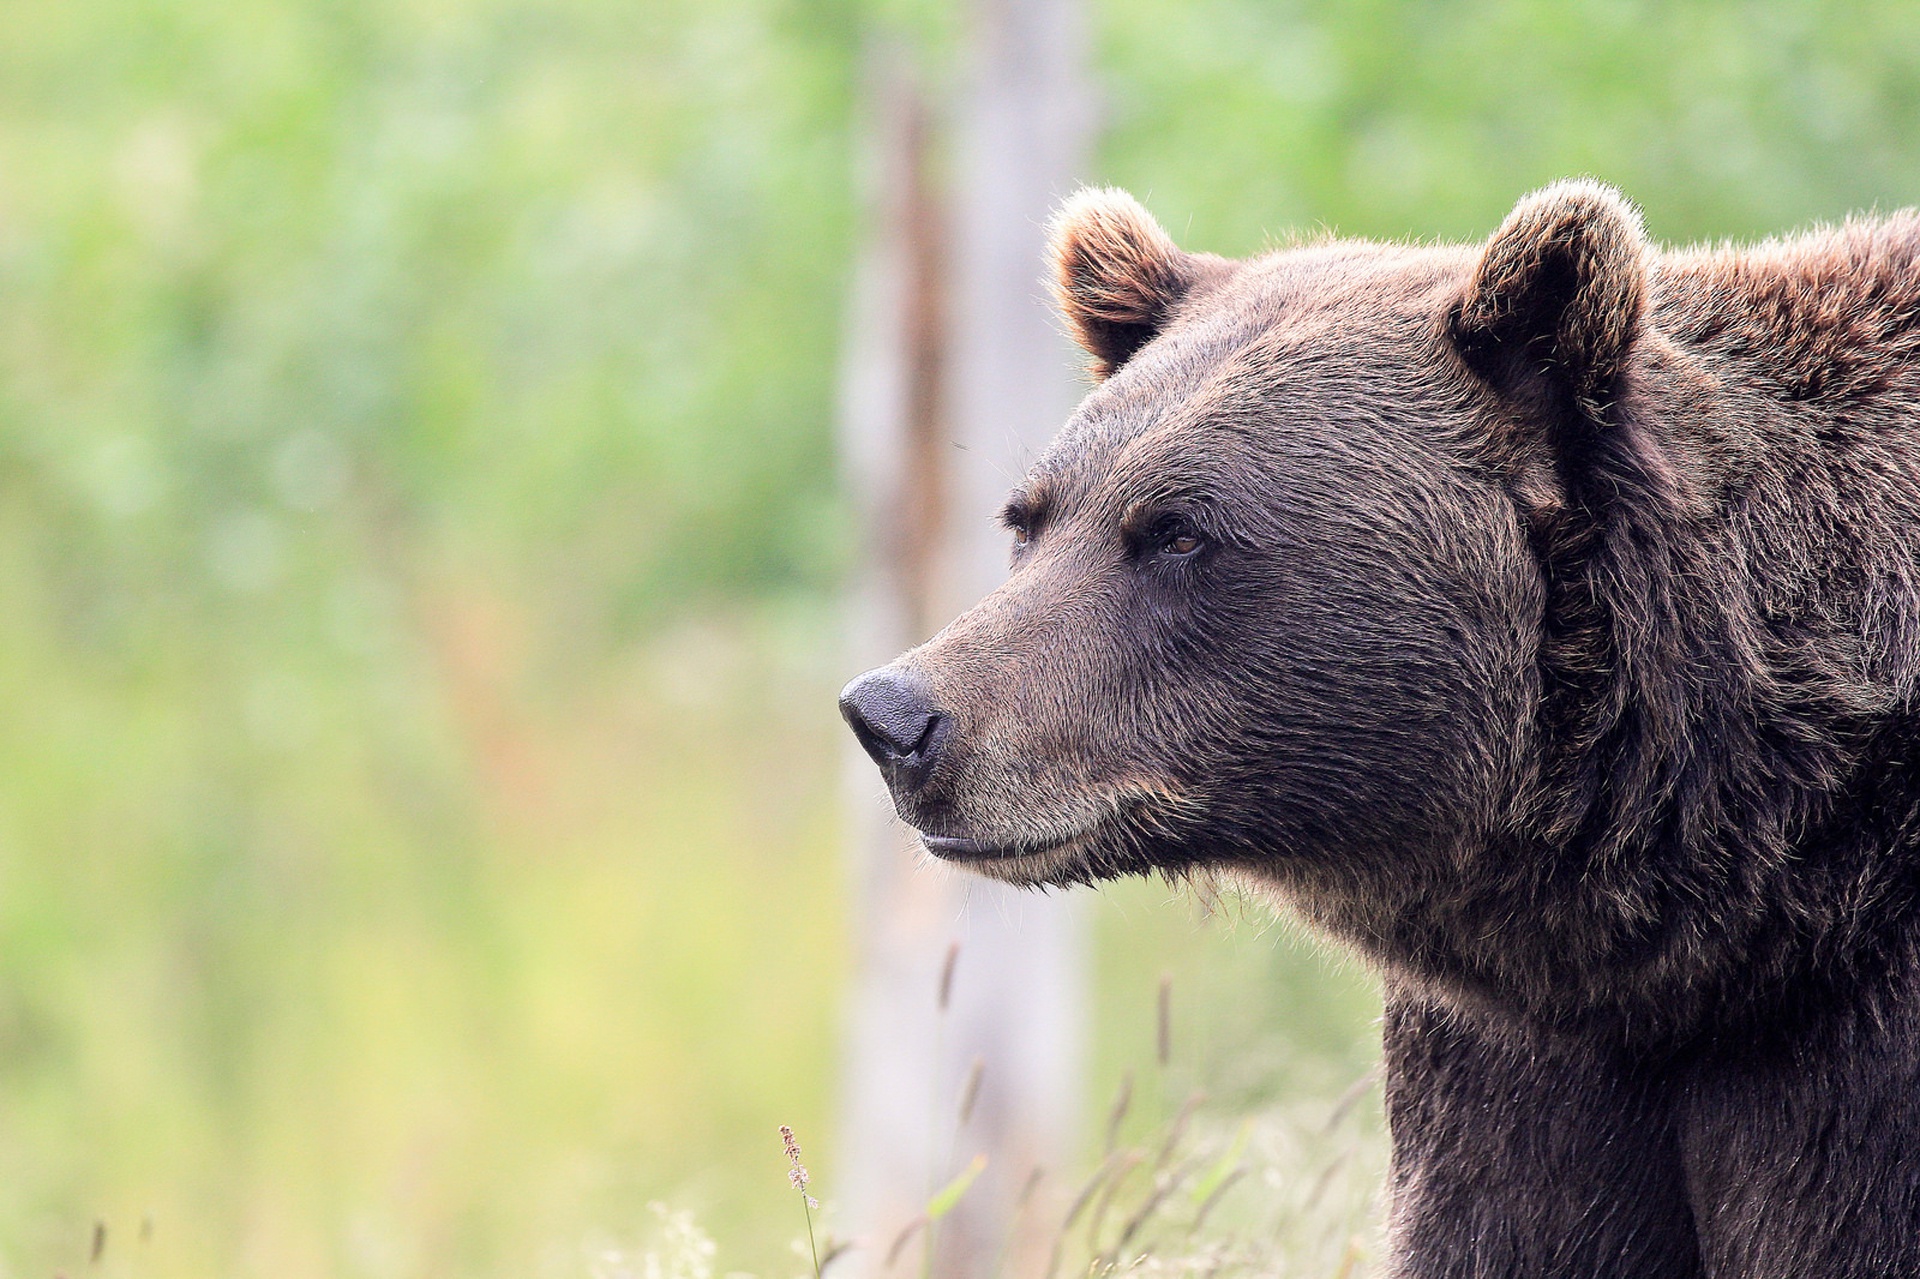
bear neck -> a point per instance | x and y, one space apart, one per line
1724 818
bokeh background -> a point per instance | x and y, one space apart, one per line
422 554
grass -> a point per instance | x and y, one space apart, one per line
1287 1189
1280 1179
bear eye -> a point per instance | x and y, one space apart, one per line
1174 538
1020 517
1180 544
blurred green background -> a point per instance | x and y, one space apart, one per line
419 539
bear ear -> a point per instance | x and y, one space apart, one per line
1116 275
1559 292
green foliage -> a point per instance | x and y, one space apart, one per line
369 373
550 289
1238 120
401 872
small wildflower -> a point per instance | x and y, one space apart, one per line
798 1173
797 1178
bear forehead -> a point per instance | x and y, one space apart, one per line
1291 339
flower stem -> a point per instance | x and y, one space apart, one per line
811 1246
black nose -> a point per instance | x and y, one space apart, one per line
893 716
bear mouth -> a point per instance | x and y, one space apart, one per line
950 848
1088 850
1025 863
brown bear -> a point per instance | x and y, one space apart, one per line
1541 618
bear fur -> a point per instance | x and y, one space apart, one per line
1540 618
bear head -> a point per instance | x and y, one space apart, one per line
1277 595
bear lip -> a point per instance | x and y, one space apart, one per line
953 849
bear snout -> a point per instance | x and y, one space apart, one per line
892 714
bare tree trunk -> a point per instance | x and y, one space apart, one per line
890 426
1021 139
955 376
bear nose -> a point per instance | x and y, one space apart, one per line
893 716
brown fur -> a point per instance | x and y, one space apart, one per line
1541 618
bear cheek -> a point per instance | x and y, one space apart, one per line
1326 740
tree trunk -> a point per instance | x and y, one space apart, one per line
955 376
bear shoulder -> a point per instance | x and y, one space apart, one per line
1831 314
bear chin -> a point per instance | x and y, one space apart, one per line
1057 864
1108 850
